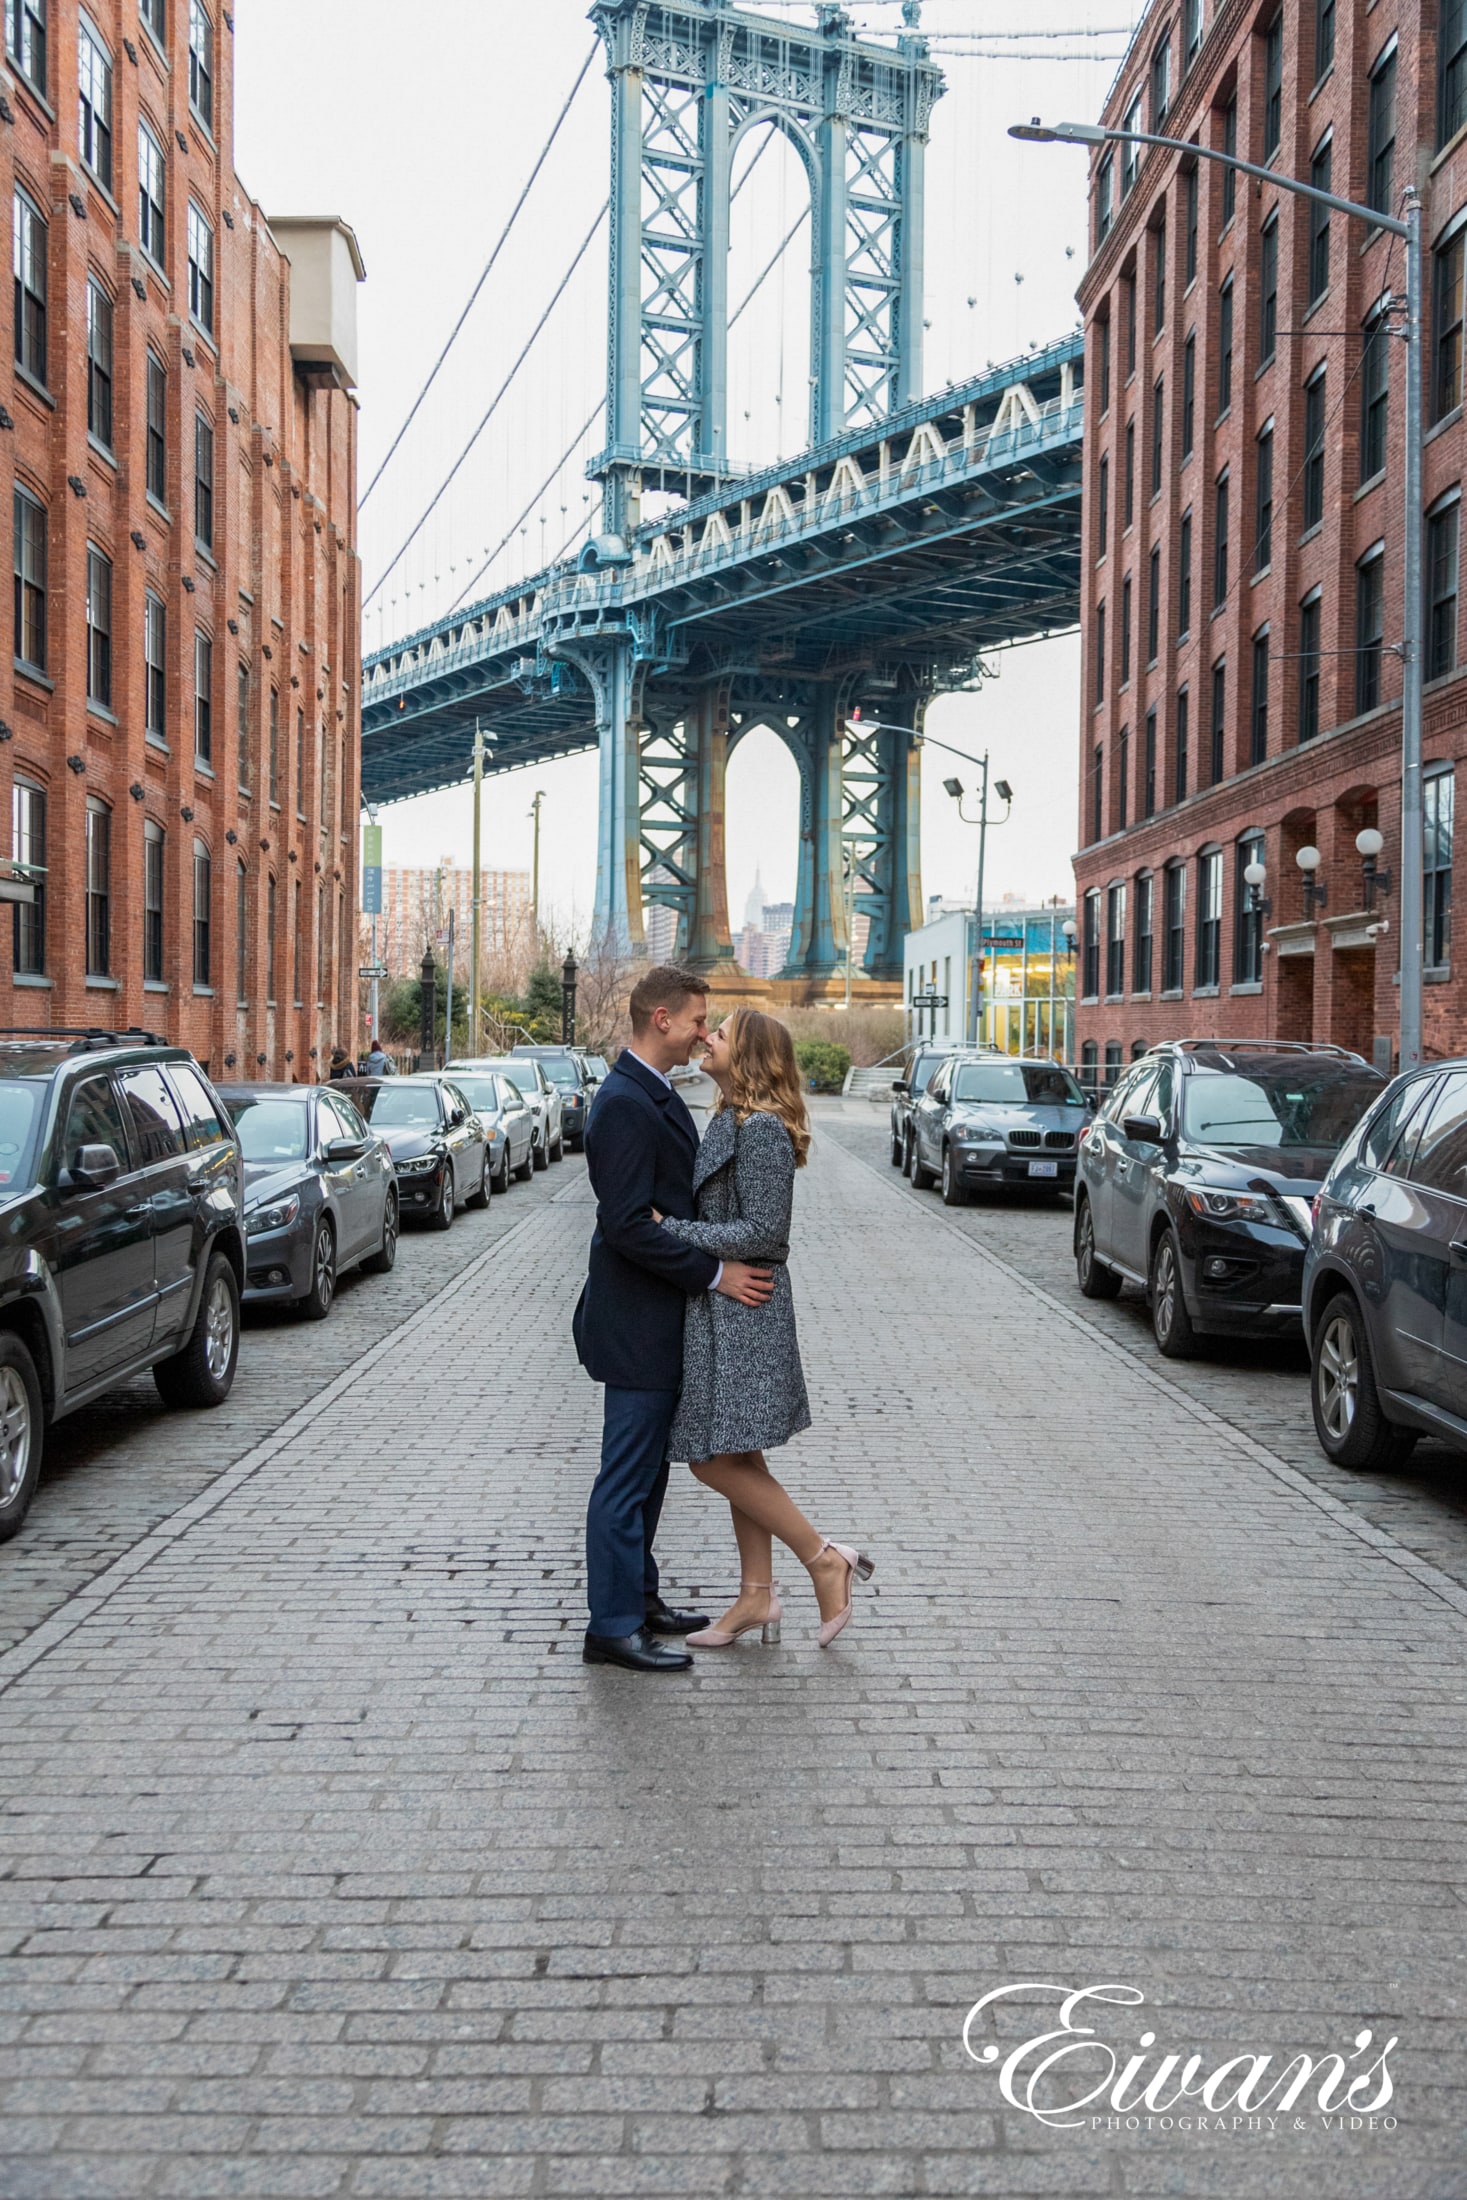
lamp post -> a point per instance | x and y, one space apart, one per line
1005 794
568 976
1068 929
428 1020
538 798
1409 229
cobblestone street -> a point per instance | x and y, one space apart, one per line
328 1869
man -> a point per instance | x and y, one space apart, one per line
640 1148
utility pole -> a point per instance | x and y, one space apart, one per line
535 871
448 1010
475 931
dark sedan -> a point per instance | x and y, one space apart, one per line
438 1145
320 1194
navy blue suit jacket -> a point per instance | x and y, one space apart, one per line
641 1144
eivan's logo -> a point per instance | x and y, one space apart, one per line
1039 2074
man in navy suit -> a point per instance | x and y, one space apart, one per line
641 1144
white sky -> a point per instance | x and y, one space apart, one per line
423 142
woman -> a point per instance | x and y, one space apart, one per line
743 1385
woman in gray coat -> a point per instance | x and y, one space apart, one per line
743 1386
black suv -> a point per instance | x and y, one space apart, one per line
567 1071
906 1090
121 1234
1197 1178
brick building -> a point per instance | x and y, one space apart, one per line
1241 592
179 724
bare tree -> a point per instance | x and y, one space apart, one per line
602 990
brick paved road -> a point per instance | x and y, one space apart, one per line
328 1869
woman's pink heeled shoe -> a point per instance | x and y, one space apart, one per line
721 1638
857 1565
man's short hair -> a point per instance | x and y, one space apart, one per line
666 986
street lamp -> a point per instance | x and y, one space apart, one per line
1368 845
1409 228
427 1034
1255 878
1005 794
568 977
1316 890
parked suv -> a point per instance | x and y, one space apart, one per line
1197 1177
121 1235
577 1088
997 1119
1385 1280
908 1089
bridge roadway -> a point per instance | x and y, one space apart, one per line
870 573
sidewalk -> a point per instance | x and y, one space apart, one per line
329 1869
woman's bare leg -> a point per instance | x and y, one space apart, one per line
743 1477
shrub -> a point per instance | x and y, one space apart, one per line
823 1065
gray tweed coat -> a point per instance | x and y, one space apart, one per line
743 1385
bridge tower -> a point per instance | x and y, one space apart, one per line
688 79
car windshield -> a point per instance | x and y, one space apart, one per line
270 1130
561 1072
1298 1103
922 1069
20 1108
1018 1085
520 1074
480 1092
404 1107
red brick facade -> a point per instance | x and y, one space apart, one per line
254 585
1307 748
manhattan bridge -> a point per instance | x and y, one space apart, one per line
829 597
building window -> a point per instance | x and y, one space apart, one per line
1189 394
152 186
1324 37
1369 627
1123 779
275 726
1247 921
1161 84
1102 353
1447 325
201 64
1100 653
1263 500
99 888
322 956
1220 543
1258 714
1126 631
1112 1064
1131 154
1441 583
1128 476
1319 176
1219 721
202 905
1115 939
30 581
1309 615
203 482
1184 576
154 16
1102 505
1381 133
1191 31
94 76
1451 40
99 627
1208 967
298 942
1375 369
153 901
157 444
200 269
1088 1057
1173 927
270 939
1148 767
1438 796
1184 725
1097 793
1153 607
1158 283
28 253
1128 293
1090 937
242 736
1314 450
28 852
1268 287
1105 196
25 39
1191 194
241 931
99 364
1273 85
1158 396
155 663
1230 147
300 763
1225 347
1141 929
203 696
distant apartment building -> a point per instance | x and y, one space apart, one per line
763 945
418 899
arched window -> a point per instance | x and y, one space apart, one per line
154 845
270 939
241 931
203 901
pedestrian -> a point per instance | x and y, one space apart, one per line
342 1065
743 1385
640 1149
376 1063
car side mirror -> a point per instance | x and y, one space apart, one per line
899 1084
343 1149
1090 1103
1145 1129
94 1168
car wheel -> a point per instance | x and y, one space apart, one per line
442 1215
557 1151
22 1429
480 1198
202 1374
318 1301
1171 1324
898 1155
954 1191
500 1179
1096 1281
526 1168
1352 1429
542 1153
380 1262
917 1169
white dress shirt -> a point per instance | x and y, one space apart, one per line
652 1071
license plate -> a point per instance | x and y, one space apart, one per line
1044 1168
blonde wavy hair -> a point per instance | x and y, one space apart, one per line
765 1075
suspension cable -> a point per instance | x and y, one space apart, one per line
487 271
520 518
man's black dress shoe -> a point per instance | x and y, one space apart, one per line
663 1620
640 1653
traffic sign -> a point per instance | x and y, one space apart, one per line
373 970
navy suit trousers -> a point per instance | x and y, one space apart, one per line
626 1504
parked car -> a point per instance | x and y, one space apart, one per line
567 1072
438 1145
996 1119
1197 1177
1385 1279
907 1090
598 1069
508 1122
122 1246
320 1194
529 1079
